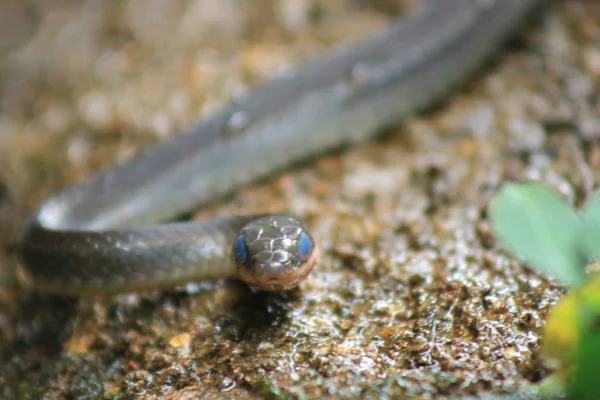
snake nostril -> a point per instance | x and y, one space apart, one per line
276 282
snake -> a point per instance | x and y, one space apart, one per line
117 231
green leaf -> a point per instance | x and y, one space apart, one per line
537 226
584 383
590 241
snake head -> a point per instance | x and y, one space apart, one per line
274 252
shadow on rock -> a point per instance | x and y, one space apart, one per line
38 328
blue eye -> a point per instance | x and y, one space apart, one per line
240 250
304 245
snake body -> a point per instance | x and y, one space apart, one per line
104 235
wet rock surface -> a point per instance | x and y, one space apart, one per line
411 296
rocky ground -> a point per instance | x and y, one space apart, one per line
411 296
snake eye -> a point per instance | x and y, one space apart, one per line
240 249
304 245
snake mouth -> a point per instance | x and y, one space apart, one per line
282 280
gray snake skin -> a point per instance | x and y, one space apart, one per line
104 235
